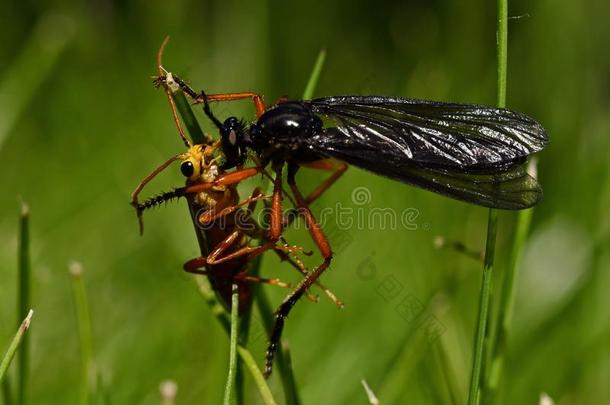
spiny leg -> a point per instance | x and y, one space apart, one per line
338 168
256 231
320 240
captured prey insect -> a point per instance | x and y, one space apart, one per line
468 152
223 227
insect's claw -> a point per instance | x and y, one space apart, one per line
140 222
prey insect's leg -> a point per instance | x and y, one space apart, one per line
134 195
194 266
320 240
275 228
210 216
255 279
224 180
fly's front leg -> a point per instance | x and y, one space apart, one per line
172 80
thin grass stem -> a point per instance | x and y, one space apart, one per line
7 396
189 119
229 398
206 291
23 300
15 343
506 302
33 65
492 222
83 320
312 83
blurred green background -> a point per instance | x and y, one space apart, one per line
81 124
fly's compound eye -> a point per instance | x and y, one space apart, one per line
187 168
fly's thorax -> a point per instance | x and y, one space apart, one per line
282 129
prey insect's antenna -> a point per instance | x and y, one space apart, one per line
163 73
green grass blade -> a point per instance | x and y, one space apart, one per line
502 52
188 117
506 302
15 343
259 379
210 298
6 392
229 397
27 72
315 75
484 300
23 300
84 329
492 222
207 293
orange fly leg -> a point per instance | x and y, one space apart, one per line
337 169
322 243
257 99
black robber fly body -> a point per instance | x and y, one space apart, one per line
468 152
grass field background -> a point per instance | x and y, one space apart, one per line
81 124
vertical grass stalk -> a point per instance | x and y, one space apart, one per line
83 320
506 303
31 67
243 353
15 343
492 222
23 300
315 75
229 398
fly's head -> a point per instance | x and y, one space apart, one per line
234 140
